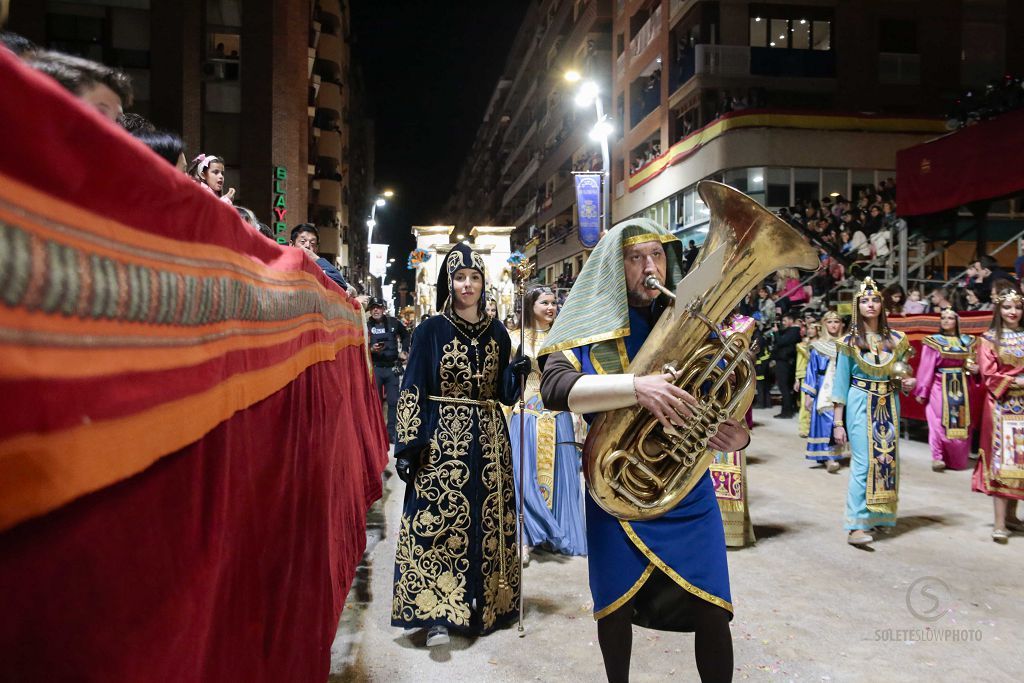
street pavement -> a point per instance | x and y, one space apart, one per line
935 599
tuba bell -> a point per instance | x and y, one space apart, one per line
634 469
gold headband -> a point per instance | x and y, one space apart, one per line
1009 295
866 287
831 315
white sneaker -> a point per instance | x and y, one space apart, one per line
438 635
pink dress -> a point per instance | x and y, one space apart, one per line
1000 468
942 380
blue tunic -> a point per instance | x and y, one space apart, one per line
863 385
821 443
687 543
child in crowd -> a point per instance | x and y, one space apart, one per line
915 304
208 171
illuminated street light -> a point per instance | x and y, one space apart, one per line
380 201
602 130
573 76
370 223
460 237
389 193
587 94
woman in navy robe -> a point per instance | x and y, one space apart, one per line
457 564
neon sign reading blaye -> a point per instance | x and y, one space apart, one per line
280 204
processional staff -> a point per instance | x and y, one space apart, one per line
522 269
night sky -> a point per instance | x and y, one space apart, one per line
430 69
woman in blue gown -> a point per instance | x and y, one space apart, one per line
866 393
553 497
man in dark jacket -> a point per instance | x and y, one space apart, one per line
306 236
388 341
784 355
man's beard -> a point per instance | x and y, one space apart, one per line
639 298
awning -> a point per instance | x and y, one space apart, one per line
982 161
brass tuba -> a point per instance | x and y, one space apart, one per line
634 469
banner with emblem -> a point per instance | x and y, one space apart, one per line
588 204
378 260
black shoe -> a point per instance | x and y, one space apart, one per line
784 416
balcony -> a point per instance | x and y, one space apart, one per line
899 68
787 62
519 147
620 66
721 60
521 179
647 33
559 202
528 213
329 145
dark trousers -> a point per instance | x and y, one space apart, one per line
785 375
387 388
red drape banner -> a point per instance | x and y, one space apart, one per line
191 437
977 162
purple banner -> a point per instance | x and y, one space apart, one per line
588 203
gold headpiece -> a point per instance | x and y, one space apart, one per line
831 315
868 286
1009 295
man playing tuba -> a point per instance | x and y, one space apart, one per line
668 573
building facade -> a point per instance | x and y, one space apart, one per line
268 85
532 138
787 101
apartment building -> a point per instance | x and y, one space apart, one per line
787 101
532 137
269 85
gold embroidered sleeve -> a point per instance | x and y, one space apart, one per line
408 425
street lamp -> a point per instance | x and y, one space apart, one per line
590 93
378 202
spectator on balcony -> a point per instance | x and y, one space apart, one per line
915 304
939 299
989 271
881 243
793 292
893 299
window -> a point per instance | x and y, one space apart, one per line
778 33
777 187
800 31
806 184
758 32
833 181
821 35
789 27
898 36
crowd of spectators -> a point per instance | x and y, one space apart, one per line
997 97
848 233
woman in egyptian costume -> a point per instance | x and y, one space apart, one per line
816 388
456 563
803 357
553 495
999 472
866 393
946 359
